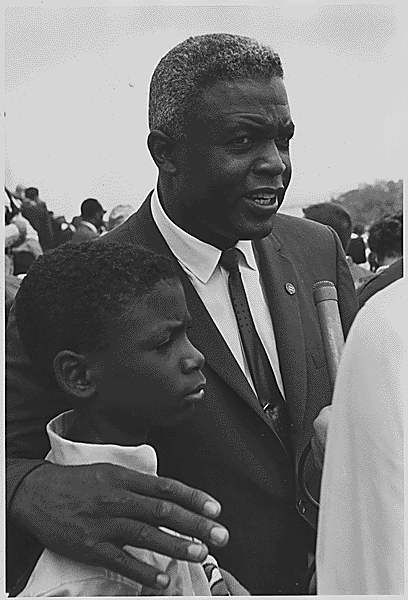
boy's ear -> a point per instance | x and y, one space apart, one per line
73 374
161 147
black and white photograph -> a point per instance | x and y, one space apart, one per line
204 298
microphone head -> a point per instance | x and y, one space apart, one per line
324 290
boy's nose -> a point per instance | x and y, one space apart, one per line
194 361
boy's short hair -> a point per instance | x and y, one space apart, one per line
65 299
194 64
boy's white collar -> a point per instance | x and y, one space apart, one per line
66 452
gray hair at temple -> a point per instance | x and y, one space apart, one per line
191 66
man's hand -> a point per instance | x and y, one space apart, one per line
321 426
88 513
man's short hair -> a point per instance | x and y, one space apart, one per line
385 237
334 215
90 207
31 193
69 293
191 66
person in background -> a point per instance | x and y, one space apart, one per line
360 541
76 221
334 215
36 211
372 262
377 283
357 248
220 130
119 214
14 233
385 241
123 395
63 231
26 252
337 217
91 221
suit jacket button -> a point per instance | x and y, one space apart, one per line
290 288
301 507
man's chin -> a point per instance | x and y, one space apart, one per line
257 231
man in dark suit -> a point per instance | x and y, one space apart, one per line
220 132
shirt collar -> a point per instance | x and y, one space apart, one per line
90 225
198 257
141 458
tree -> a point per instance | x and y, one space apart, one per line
371 201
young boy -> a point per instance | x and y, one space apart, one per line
108 324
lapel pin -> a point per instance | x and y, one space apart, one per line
290 288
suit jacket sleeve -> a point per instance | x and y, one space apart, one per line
348 307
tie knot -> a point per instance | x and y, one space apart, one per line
230 259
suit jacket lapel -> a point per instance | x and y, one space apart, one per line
276 271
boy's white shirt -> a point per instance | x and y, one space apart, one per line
55 575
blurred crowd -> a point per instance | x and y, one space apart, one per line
370 250
31 229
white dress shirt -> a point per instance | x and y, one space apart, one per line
55 575
360 542
201 263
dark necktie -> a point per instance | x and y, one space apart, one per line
267 390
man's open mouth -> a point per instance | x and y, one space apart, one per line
263 199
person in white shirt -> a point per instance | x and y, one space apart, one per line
360 542
108 323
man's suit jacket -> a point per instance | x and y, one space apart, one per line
228 448
83 234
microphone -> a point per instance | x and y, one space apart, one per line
325 299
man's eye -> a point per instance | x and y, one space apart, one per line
242 140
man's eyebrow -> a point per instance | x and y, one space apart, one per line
288 128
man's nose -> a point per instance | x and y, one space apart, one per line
193 360
269 162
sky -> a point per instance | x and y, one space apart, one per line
77 78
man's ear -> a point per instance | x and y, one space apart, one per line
73 374
161 147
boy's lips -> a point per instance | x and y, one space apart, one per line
196 394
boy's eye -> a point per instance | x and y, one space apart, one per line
164 344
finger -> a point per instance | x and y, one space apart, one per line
111 557
146 536
162 512
170 489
